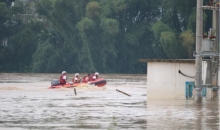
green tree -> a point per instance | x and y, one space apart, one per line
168 41
157 29
188 41
108 36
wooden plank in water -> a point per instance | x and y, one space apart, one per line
122 92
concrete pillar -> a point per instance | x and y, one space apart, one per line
215 75
198 64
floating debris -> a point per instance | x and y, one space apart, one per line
75 91
122 92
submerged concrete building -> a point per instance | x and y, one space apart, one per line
170 79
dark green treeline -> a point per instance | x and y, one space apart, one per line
108 36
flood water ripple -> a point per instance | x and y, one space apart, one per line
26 103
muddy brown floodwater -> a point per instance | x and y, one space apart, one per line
27 103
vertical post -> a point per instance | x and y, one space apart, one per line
198 64
216 43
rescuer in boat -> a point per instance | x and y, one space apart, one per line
86 78
63 78
77 79
94 76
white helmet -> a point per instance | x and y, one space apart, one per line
76 74
64 72
96 73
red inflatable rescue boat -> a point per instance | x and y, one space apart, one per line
98 82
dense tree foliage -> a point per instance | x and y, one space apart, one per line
108 36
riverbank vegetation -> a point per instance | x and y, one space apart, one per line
108 36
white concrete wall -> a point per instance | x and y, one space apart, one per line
165 82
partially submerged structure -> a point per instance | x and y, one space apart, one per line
174 79
180 79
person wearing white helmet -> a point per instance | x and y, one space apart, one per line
76 79
63 78
95 76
